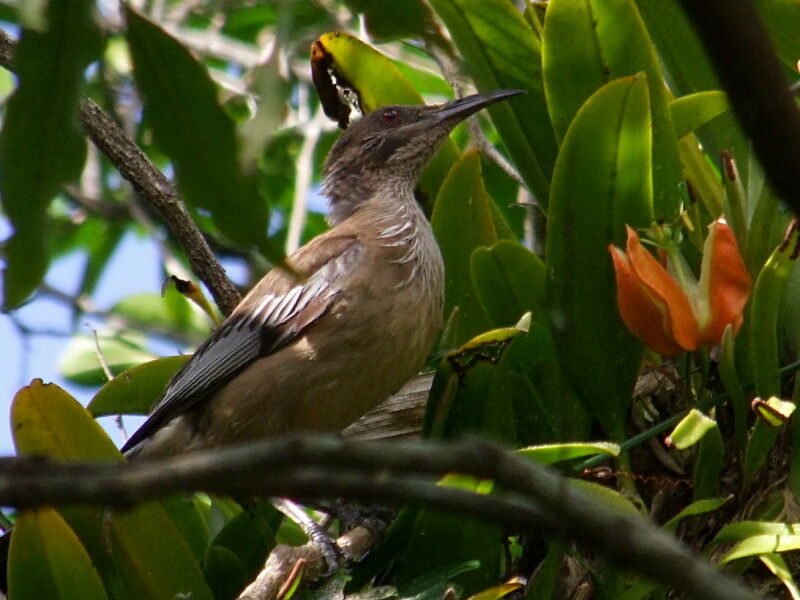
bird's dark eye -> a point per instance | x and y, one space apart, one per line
390 116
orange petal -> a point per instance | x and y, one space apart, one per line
679 319
728 281
641 315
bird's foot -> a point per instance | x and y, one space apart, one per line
316 534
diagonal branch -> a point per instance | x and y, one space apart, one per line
528 496
153 188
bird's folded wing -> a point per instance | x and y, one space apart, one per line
275 312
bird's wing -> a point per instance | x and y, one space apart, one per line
275 312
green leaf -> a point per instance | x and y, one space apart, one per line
80 363
46 560
549 454
700 507
743 530
604 496
764 346
600 183
47 421
500 50
779 568
41 146
406 18
509 281
730 380
586 44
774 411
169 314
199 137
690 430
224 573
378 81
762 544
708 465
692 111
688 70
782 18
462 222
135 390
150 558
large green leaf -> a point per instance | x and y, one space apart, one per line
46 560
462 221
600 183
150 558
199 137
41 147
135 390
587 43
405 18
500 50
81 364
509 281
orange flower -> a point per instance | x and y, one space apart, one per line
667 308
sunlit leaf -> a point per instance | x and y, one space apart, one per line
80 361
548 454
135 390
586 44
690 430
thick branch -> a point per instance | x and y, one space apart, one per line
153 188
533 498
748 67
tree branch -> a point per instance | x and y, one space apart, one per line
153 187
744 58
529 497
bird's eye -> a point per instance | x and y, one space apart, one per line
390 116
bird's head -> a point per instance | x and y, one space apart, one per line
392 145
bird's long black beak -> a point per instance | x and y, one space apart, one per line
461 108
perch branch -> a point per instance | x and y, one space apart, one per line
307 468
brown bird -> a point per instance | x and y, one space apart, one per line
316 352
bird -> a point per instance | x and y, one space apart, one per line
313 347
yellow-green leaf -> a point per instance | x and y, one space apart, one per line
46 560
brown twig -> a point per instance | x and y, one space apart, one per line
153 188
283 562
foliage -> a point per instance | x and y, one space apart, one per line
622 123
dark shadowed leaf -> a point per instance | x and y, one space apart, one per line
199 137
47 560
41 146
462 221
